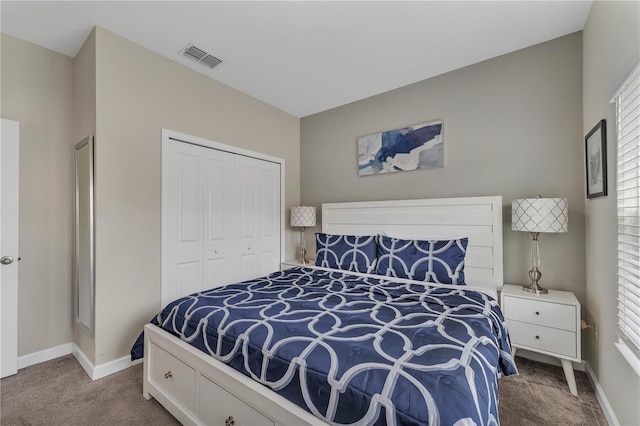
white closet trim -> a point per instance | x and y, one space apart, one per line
182 137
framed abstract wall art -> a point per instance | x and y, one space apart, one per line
410 148
596 160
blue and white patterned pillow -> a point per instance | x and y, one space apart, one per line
347 252
437 261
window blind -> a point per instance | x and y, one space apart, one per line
628 178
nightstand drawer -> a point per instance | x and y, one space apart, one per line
534 336
540 313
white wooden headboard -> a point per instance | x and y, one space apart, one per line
478 218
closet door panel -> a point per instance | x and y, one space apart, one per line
260 189
185 224
269 238
249 192
221 222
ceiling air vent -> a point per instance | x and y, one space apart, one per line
200 55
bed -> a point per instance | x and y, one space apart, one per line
317 345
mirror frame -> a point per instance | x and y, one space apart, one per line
87 328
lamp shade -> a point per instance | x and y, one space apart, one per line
303 216
540 215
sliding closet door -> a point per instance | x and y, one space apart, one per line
221 218
259 190
203 219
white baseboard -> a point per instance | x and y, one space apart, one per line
609 414
84 362
114 366
96 372
44 355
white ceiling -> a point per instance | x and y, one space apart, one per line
307 57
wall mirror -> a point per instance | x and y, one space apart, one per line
84 271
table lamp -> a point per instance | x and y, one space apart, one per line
538 215
303 217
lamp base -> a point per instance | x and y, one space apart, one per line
303 256
535 288
535 276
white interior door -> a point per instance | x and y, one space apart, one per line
9 156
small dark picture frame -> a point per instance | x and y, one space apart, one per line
595 151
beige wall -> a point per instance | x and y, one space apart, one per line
611 49
138 93
512 127
37 91
84 124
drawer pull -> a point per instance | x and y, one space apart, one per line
229 421
168 375
537 337
537 313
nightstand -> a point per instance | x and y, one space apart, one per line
545 323
293 263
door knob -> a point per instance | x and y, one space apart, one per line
6 260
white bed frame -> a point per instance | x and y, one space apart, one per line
198 389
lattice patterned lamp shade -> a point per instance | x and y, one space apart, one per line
304 216
538 215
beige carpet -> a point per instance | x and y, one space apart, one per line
59 392
539 395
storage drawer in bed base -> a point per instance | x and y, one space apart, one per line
219 394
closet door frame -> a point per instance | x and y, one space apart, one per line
171 135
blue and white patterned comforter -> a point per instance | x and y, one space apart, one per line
352 349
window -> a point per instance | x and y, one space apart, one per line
628 178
